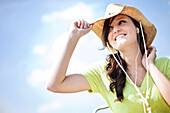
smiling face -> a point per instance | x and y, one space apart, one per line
122 32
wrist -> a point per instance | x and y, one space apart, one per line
74 35
151 65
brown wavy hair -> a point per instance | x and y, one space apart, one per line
114 72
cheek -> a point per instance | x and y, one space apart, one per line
110 37
133 35
111 40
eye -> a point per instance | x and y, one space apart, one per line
110 28
121 22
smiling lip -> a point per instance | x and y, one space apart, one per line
122 34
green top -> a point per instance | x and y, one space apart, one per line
132 102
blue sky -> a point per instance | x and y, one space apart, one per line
32 35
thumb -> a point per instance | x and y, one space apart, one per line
90 27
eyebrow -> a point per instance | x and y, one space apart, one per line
117 19
121 18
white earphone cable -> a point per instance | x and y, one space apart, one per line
146 60
136 76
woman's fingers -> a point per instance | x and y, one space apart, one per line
151 55
76 23
82 24
85 25
151 49
81 27
79 23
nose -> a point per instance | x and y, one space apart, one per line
116 29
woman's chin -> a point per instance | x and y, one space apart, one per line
120 46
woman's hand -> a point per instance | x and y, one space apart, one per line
151 54
80 28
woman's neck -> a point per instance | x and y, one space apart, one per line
132 56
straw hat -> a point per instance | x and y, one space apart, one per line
115 9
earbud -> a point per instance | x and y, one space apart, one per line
137 30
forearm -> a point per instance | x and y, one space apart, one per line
59 68
161 81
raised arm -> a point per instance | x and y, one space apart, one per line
59 82
161 81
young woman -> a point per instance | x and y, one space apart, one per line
131 79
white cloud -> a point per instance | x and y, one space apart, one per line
37 77
40 76
59 44
40 49
57 47
76 66
79 11
46 108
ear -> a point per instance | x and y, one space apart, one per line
137 30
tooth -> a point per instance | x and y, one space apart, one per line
119 36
